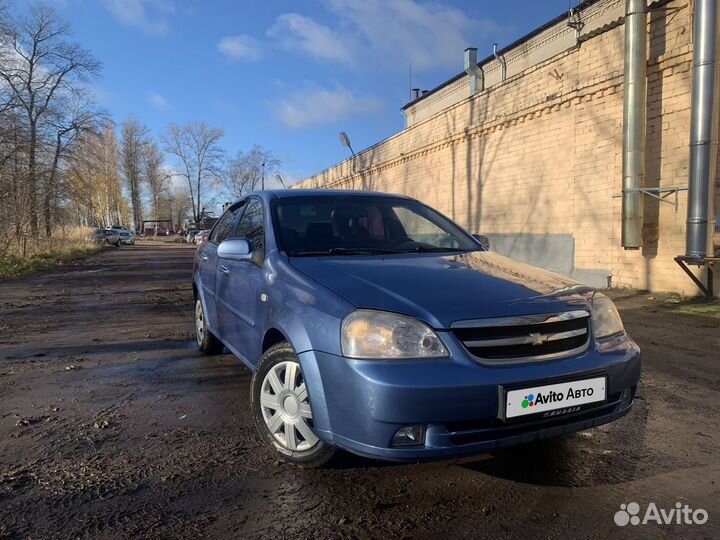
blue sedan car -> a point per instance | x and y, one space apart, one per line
374 324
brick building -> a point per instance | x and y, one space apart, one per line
530 152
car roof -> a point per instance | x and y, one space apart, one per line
271 194
290 193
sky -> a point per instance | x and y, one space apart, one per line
287 75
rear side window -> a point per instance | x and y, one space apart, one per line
251 225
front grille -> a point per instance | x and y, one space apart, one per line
530 337
494 429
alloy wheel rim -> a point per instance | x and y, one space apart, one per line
285 407
199 322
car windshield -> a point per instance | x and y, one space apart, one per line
359 225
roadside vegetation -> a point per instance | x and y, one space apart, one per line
66 166
68 245
703 307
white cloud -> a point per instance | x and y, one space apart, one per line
388 34
150 16
159 101
241 48
99 95
315 105
296 32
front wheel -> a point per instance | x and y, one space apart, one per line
206 340
282 410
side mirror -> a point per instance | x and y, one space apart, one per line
235 249
484 240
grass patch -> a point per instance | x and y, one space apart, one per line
12 266
68 244
706 309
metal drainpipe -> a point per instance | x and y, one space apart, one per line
503 64
634 121
703 131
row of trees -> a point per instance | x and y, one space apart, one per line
61 161
43 113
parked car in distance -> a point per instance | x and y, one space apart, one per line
105 236
201 237
190 237
374 324
126 237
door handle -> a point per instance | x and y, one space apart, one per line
203 257
225 270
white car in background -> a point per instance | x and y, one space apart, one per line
105 236
126 237
201 237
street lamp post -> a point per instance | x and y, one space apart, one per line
345 141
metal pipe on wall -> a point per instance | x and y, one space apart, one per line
634 122
703 131
503 63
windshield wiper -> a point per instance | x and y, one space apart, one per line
432 249
347 251
360 251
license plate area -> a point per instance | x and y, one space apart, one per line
562 398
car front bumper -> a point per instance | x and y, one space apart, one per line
359 405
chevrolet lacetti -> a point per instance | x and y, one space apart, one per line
374 324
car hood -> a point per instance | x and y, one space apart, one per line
443 289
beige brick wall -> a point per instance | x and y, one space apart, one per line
541 154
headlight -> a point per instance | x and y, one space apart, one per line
378 334
605 317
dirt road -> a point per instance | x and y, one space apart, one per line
113 426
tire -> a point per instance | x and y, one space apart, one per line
206 340
282 411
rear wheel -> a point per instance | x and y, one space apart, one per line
206 340
282 410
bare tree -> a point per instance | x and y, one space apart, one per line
247 170
155 175
93 182
38 64
196 147
132 145
76 115
175 204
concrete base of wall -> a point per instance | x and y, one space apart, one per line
554 252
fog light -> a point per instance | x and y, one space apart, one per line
409 436
627 397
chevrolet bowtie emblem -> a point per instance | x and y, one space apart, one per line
538 339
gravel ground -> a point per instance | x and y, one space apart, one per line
113 426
